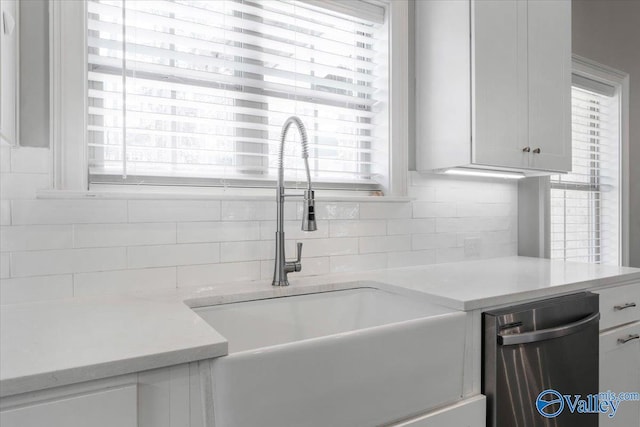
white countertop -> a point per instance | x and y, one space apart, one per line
48 344
493 282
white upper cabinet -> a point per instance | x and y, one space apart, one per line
499 84
493 85
9 71
549 87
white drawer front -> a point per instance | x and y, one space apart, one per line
620 372
109 408
619 305
467 413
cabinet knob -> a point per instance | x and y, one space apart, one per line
537 151
526 149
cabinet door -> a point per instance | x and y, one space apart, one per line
549 70
467 413
620 372
8 70
499 83
110 408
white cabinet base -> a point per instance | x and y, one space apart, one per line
105 408
620 372
468 413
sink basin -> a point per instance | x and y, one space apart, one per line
357 357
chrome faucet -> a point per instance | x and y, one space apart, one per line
282 266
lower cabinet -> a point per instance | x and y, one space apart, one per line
104 408
620 372
467 413
174 396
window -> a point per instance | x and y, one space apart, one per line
585 203
195 92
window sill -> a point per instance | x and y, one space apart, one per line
246 194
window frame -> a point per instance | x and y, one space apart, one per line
68 77
592 70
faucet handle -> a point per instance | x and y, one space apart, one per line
296 265
299 257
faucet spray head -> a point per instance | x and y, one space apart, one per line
309 212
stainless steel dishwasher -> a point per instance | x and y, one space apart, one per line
531 348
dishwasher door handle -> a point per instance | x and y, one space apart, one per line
547 334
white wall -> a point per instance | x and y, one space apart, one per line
54 248
608 31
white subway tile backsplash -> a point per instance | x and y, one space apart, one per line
255 250
244 210
25 212
449 255
434 210
382 210
105 235
171 255
411 258
173 210
484 223
62 261
480 192
341 264
248 251
486 192
411 226
30 160
461 237
447 225
211 274
5 265
449 194
434 240
372 244
424 241
22 185
499 237
446 240
293 230
123 281
5 212
224 231
40 288
98 246
333 246
474 209
35 237
423 193
357 228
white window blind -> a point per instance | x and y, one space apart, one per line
197 91
585 213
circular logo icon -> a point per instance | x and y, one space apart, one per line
546 401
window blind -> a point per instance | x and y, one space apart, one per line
197 91
585 212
